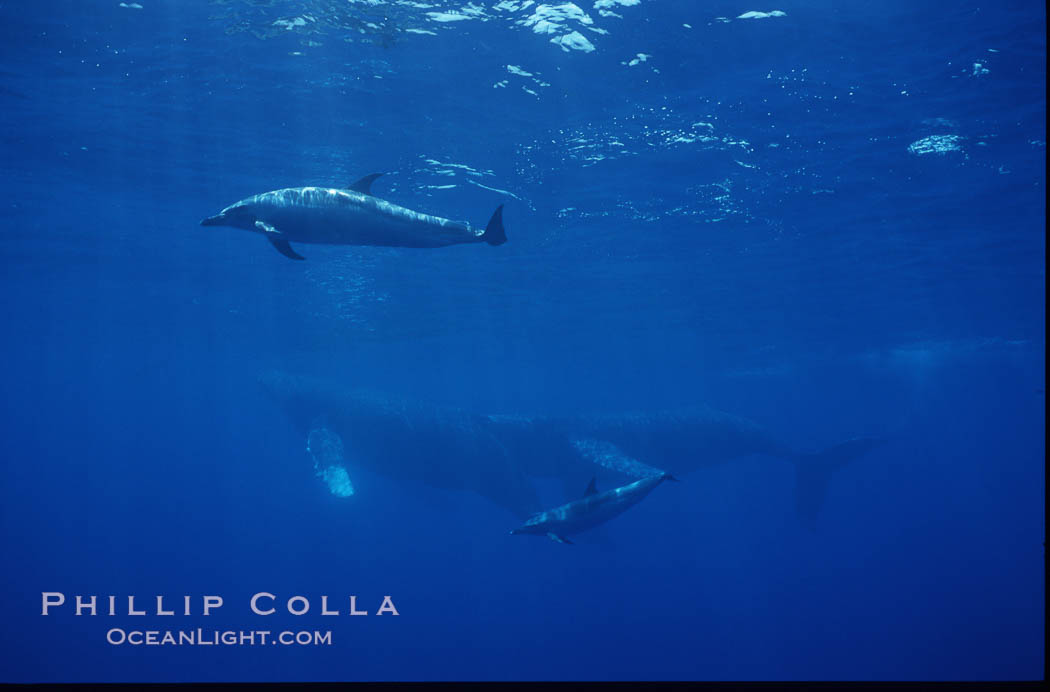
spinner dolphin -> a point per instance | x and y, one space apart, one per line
592 509
351 216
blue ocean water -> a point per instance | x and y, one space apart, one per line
826 218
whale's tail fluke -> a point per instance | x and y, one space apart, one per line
494 233
813 474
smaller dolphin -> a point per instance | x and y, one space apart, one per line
351 216
593 509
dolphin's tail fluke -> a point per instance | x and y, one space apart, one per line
494 233
813 474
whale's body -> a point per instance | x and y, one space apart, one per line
500 456
351 216
593 509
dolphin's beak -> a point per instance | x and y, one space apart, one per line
216 220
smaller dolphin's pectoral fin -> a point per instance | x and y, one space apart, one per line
364 185
559 539
285 248
266 228
592 488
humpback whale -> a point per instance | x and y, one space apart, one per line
593 509
499 456
351 216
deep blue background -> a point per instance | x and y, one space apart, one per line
791 261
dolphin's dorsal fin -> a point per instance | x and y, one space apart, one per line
364 185
592 488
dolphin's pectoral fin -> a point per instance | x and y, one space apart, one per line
326 449
608 455
559 539
285 248
364 185
282 245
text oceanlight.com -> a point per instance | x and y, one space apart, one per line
202 637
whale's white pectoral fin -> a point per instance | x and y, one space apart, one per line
608 455
559 539
284 247
265 227
338 480
326 449
364 185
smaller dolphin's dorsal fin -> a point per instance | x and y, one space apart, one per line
592 488
364 185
